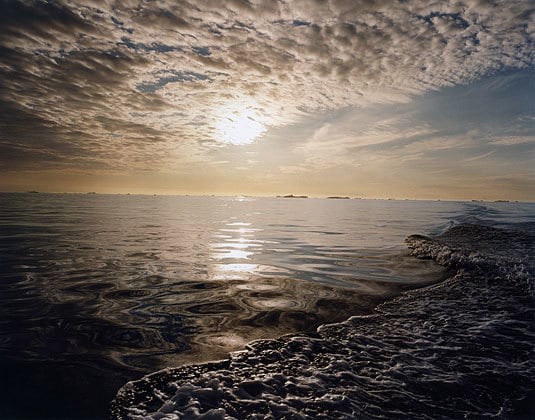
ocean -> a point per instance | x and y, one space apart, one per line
324 305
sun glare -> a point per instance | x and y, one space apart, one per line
240 126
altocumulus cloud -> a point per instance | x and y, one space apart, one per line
123 85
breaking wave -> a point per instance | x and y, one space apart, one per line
461 348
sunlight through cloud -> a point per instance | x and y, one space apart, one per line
239 125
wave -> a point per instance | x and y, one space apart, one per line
461 348
495 253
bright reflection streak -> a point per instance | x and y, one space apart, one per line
239 267
238 243
228 340
234 271
233 254
241 230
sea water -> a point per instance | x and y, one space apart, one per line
97 290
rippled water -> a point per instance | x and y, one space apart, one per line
462 348
98 289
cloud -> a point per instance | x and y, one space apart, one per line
512 140
137 84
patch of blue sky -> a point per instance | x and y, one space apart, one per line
120 24
171 77
494 113
455 17
299 22
155 46
295 22
117 21
204 51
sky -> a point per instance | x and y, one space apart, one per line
367 98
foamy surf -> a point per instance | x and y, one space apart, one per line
462 348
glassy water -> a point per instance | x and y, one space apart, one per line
96 290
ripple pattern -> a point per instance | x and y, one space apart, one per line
460 349
110 286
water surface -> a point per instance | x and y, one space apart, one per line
97 289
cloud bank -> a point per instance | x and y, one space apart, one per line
112 87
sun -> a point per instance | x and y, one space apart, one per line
240 126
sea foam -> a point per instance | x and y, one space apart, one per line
461 348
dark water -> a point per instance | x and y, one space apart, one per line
462 348
96 290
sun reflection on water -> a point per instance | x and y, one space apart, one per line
235 243
233 254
